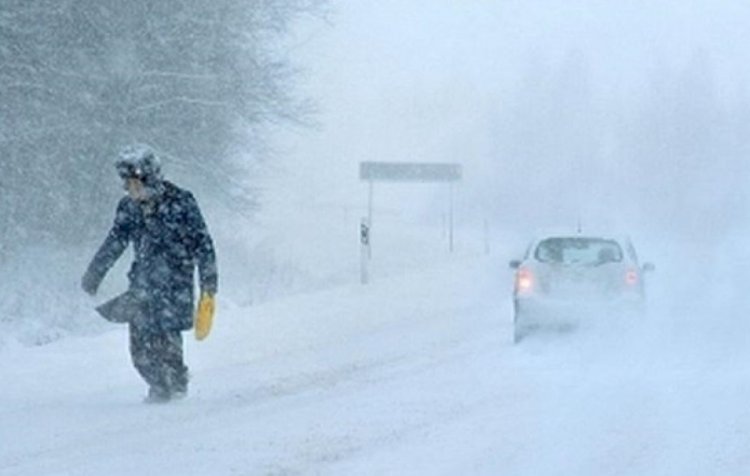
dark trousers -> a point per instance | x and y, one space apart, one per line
157 355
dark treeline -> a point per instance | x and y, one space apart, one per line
80 78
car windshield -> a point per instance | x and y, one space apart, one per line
582 251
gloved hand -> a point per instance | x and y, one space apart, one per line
90 283
204 315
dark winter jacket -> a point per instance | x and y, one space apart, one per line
169 239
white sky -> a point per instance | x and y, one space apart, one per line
408 80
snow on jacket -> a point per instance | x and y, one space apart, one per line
169 240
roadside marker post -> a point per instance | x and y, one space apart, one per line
364 240
405 172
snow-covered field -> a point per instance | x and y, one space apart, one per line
413 374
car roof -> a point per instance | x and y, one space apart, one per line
584 233
622 239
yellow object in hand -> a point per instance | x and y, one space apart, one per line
204 316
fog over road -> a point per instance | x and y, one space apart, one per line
415 374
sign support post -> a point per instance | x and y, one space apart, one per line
450 220
364 240
406 172
369 218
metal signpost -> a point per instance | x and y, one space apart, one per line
404 172
364 240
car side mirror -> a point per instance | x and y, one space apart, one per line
515 264
648 267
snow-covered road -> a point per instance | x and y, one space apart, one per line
411 375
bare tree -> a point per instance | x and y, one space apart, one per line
79 78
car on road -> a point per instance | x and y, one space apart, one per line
565 278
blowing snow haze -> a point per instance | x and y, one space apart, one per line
627 117
628 114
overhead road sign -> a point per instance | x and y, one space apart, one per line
403 172
409 172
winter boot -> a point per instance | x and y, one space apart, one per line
157 395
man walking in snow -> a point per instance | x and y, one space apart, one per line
170 238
